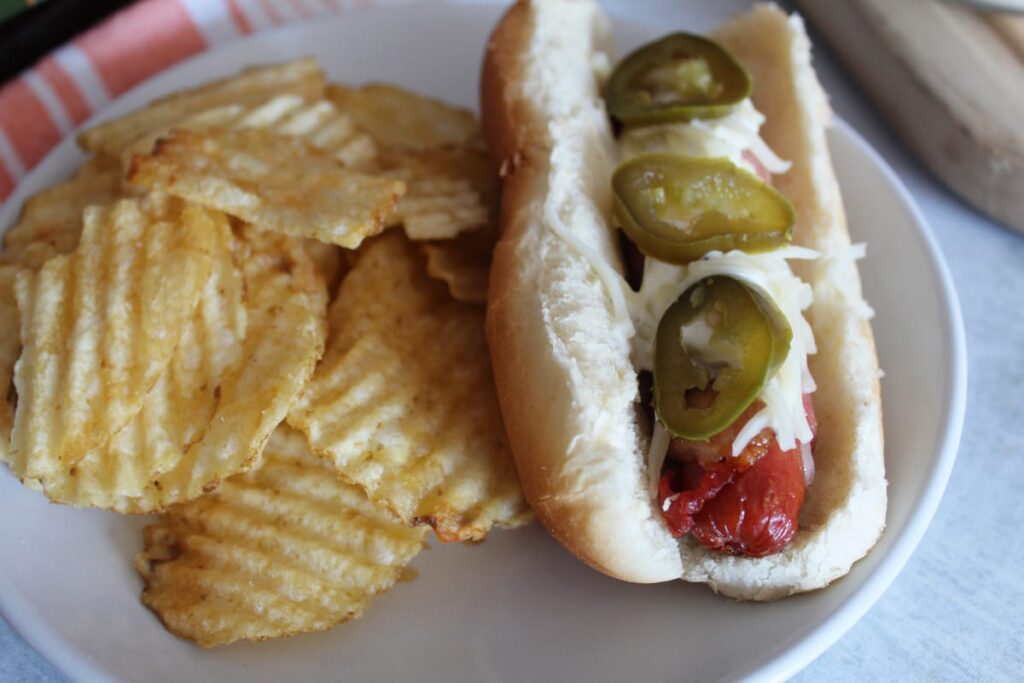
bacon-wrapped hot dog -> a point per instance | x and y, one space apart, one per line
673 303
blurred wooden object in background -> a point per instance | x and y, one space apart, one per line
950 80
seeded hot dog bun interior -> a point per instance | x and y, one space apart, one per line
562 364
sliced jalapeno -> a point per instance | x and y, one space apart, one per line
716 347
677 78
678 208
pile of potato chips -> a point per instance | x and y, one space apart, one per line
256 310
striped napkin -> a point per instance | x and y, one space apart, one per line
47 102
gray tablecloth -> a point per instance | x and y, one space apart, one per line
957 610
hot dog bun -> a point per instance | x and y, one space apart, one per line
561 359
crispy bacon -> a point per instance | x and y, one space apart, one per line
747 505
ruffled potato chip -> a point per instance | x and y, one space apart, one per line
449 190
401 119
285 329
331 261
287 548
51 221
403 402
276 182
318 122
99 326
10 346
463 263
179 409
165 311
301 78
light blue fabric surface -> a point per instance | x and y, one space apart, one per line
957 610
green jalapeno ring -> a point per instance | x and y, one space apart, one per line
676 208
677 78
747 325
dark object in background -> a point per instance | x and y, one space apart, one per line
8 8
31 34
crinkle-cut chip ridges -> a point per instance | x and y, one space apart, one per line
99 326
318 122
51 221
302 78
276 182
463 263
402 119
180 408
286 304
10 347
449 190
403 402
284 549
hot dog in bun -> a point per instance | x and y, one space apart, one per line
682 352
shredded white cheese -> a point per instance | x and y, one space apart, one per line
729 136
735 137
771 274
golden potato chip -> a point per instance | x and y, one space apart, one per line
449 190
51 221
463 263
330 261
275 182
403 402
402 119
302 78
319 123
99 326
179 409
285 330
32 255
10 346
285 549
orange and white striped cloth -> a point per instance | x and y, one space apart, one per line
48 101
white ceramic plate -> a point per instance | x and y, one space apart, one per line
516 608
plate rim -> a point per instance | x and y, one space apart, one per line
789 658
797 655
